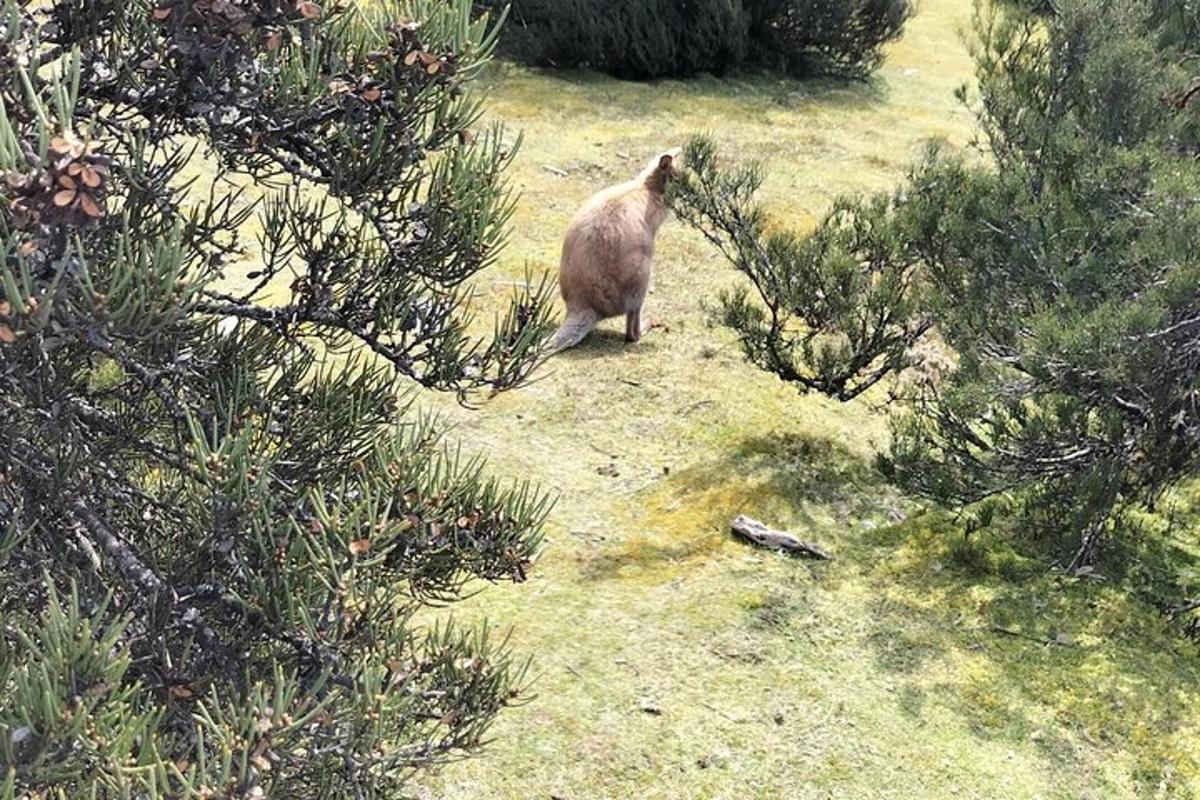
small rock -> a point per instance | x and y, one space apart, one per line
650 707
778 716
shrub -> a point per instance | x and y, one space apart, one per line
218 521
658 38
629 38
1063 274
824 37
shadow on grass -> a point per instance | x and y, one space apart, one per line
811 472
802 483
603 342
737 95
1023 653
978 626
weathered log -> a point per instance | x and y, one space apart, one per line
763 536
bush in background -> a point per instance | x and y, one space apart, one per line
659 38
824 37
629 38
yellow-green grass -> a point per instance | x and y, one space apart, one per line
878 675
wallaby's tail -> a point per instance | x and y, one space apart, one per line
578 324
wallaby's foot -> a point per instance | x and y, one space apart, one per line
633 334
633 326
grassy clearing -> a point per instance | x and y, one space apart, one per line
879 675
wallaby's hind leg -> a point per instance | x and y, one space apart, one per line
633 325
579 323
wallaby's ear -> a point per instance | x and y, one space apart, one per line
665 161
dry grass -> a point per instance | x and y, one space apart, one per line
876 676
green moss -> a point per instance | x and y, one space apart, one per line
106 374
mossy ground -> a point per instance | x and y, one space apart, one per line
878 675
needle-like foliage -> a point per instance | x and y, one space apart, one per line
219 521
1061 267
832 311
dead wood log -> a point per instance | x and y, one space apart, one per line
770 538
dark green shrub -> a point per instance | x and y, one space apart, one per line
659 38
810 37
630 38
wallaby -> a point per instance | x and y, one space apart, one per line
605 270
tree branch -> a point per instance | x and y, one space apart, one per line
127 561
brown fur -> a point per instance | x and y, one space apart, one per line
607 253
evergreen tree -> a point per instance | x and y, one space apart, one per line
1062 268
218 520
